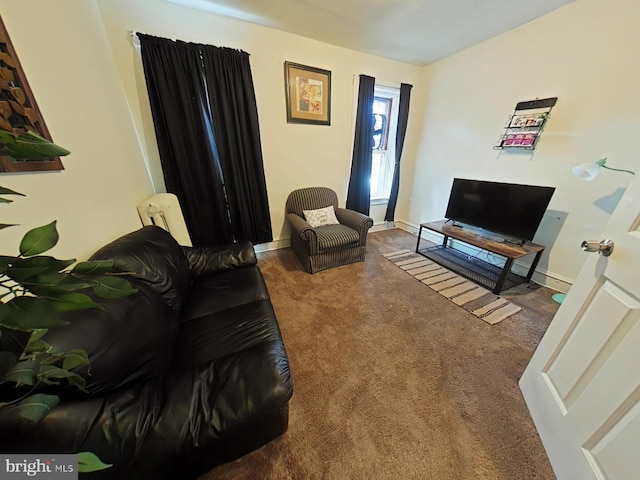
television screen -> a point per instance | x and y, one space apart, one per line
506 208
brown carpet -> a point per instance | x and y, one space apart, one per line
392 381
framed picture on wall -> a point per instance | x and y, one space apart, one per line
25 142
308 94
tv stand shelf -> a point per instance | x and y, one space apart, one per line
491 276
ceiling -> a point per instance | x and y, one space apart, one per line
412 31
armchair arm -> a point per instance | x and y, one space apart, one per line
356 220
205 261
305 231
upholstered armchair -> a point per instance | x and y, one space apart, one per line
326 246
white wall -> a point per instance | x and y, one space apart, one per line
63 51
295 155
585 54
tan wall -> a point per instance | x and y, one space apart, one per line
585 54
295 155
64 53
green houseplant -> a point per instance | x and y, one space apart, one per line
35 291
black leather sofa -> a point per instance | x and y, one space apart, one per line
188 373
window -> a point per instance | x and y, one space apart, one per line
385 112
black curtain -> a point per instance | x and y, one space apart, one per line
358 195
403 118
237 133
194 167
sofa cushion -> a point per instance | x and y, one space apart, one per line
222 291
332 236
234 390
153 256
205 261
128 339
184 424
225 332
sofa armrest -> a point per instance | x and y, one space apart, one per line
306 232
205 261
300 226
356 220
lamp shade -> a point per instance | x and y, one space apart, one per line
589 171
586 171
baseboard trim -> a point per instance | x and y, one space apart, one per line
377 227
275 245
546 278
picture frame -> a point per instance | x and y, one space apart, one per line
19 112
308 94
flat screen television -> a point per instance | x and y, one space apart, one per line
506 208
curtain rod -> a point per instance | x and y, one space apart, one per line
380 83
135 40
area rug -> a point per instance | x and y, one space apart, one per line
476 300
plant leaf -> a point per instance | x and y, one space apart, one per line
8 191
51 371
36 344
72 301
37 334
53 355
47 372
45 353
112 287
39 240
93 267
23 373
53 284
29 146
22 269
74 358
89 462
6 225
36 407
27 313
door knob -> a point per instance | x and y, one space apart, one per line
604 247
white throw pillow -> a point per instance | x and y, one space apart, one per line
321 217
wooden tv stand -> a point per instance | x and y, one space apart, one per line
491 276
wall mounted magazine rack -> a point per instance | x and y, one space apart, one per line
524 127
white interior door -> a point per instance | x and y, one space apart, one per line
582 385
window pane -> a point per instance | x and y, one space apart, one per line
380 131
381 174
380 105
381 112
376 170
382 157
